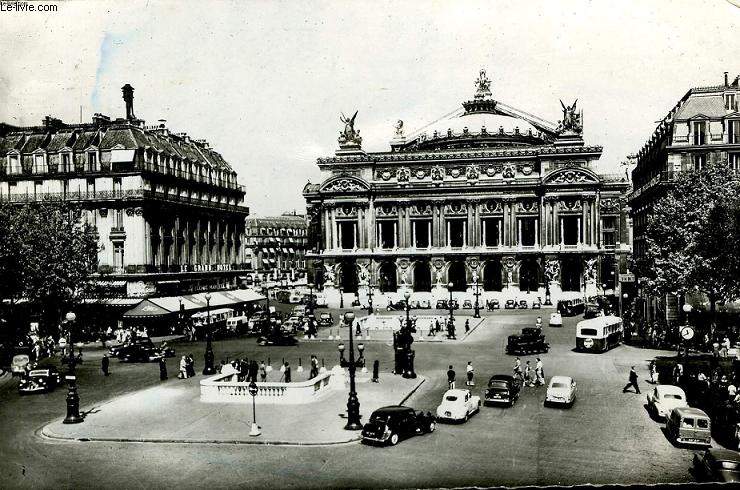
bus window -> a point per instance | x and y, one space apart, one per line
589 331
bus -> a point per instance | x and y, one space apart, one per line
217 319
599 334
571 307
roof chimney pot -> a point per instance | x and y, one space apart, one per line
726 80
128 98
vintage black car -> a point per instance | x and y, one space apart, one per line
467 305
455 304
441 304
537 304
277 340
726 423
493 305
140 353
502 389
388 425
42 380
530 341
510 304
522 304
718 465
326 320
116 350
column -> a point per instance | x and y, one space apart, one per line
447 238
468 231
465 234
395 234
335 239
413 233
380 234
370 224
407 226
579 232
513 223
399 228
360 226
557 227
505 225
536 233
583 223
429 232
354 235
560 241
484 226
500 232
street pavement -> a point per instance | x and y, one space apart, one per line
606 437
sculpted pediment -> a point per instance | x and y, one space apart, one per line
572 176
344 183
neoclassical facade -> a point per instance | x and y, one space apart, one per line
490 195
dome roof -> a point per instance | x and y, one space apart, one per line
480 123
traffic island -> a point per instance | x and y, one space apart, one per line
174 413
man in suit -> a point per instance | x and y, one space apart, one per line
632 381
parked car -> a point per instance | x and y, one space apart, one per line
42 380
467 305
455 305
493 304
300 310
502 388
257 322
537 304
320 300
326 319
561 391
399 305
283 339
556 319
425 304
510 304
530 341
18 364
120 349
522 304
458 405
717 465
665 398
441 304
388 425
689 425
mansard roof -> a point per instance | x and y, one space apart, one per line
710 106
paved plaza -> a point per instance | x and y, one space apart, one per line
607 436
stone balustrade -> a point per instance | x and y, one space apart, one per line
223 388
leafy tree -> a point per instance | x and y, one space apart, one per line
691 236
46 254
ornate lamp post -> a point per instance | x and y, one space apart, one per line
548 301
476 313
353 404
449 305
407 296
369 298
687 332
341 298
208 368
253 390
310 298
71 317
342 360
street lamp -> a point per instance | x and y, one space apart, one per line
208 368
310 298
689 333
353 404
71 317
476 313
407 296
449 287
253 390
369 298
341 298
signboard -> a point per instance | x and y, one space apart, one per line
629 277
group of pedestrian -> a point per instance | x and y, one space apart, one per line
187 367
528 375
469 375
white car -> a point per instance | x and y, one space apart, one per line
561 391
320 300
458 405
556 320
18 365
665 398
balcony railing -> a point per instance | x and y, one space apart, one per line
193 176
662 177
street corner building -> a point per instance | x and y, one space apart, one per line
487 197
702 128
276 246
167 209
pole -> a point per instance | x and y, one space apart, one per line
353 404
208 368
477 295
450 305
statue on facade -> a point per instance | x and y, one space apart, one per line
552 269
572 120
399 129
362 274
482 86
350 135
589 271
331 275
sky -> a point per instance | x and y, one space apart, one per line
265 81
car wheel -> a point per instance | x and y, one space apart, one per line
393 439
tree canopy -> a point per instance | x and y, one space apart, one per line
693 236
46 255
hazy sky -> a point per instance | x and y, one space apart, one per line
265 82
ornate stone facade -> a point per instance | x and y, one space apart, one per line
491 192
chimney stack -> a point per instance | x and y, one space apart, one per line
128 98
726 80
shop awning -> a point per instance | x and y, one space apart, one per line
146 309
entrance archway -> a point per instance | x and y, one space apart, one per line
348 276
422 277
529 275
387 277
570 274
492 276
457 276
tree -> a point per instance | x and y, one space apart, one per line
691 236
47 255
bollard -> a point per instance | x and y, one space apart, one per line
376 369
331 335
300 366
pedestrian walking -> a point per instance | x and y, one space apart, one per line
451 378
190 365
314 367
467 326
539 373
653 373
286 373
104 364
183 368
528 375
470 373
162 369
263 371
518 370
632 381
